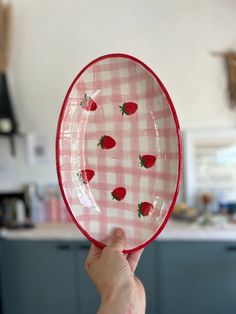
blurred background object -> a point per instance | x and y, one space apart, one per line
5 15
231 65
8 123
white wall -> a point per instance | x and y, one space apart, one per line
52 40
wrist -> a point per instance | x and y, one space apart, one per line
123 300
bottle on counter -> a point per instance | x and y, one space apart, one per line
54 207
32 202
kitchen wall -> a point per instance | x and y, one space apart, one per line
52 40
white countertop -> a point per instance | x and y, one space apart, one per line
183 231
174 231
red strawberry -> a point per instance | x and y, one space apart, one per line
147 161
86 175
144 209
88 103
106 142
118 193
128 108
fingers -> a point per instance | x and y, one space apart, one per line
133 259
94 251
93 255
117 240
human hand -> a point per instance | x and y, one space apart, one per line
113 275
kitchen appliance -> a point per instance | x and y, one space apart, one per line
13 211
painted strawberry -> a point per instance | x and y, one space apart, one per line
147 161
86 175
128 108
106 142
144 209
88 103
118 193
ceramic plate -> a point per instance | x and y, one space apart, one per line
118 151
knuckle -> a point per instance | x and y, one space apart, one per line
106 250
118 243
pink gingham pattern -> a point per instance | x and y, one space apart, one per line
151 130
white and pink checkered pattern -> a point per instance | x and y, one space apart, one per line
152 130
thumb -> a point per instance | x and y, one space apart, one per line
117 240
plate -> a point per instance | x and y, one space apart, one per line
118 151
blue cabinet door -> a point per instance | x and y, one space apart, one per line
38 277
196 277
179 277
1 247
87 295
147 273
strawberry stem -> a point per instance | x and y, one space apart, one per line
141 161
80 178
140 210
100 141
82 103
122 109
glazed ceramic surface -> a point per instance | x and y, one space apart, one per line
118 151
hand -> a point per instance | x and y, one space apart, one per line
113 275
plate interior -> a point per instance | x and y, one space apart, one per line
90 173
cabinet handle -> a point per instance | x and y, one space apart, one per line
84 246
63 247
230 249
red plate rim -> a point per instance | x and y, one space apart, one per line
178 132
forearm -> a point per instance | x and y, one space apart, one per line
117 308
122 302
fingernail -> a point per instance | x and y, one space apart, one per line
118 232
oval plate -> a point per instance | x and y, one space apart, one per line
118 151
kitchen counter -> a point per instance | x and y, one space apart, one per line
175 230
179 266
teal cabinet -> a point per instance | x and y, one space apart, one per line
86 292
179 277
196 277
147 272
49 277
38 277
1 309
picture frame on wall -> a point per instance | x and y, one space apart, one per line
210 165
